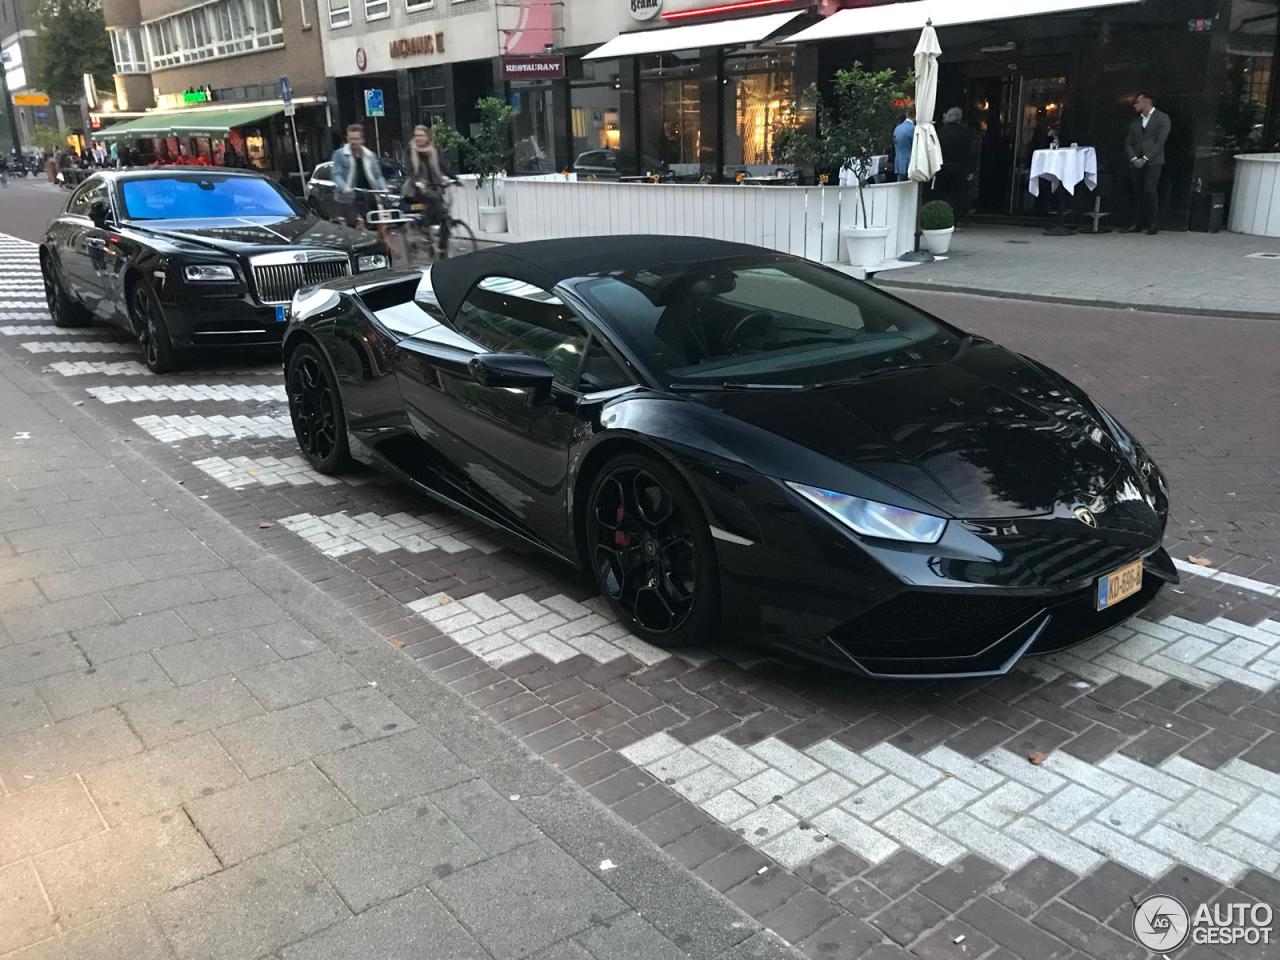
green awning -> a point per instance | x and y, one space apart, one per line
206 122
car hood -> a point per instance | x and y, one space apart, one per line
985 435
247 236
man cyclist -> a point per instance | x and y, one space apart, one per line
425 182
355 168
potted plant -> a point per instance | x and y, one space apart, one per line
854 126
937 224
484 154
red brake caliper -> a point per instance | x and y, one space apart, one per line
620 538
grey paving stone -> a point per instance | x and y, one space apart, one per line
564 950
21 709
289 639
385 854
44 753
413 927
233 613
1034 885
35 659
800 916
908 917
845 938
133 546
45 817
90 878
20 596
269 812
288 682
193 560
493 822
52 534
135 599
386 772
211 656
54 618
86 580
372 712
24 916
546 896
628 936
79 691
1012 932
248 910
190 710
281 739
161 779
763 945
140 634
130 934
35 563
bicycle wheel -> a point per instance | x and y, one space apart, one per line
461 238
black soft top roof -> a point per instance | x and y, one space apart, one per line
544 263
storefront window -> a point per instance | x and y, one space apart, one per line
428 93
532 127
670 114
1245 91
759 106
596 120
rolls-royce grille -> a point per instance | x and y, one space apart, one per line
278 282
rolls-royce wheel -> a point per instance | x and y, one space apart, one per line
315 405
158 352
650 550
64 311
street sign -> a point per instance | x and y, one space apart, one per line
290 109
374 106
286 91
30 99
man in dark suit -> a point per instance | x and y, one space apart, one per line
1144 146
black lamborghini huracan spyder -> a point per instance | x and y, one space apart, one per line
743 445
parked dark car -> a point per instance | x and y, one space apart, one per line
604 164
191 258
737 443
324 195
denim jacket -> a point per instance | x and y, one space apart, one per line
344 169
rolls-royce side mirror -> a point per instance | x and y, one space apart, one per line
99 213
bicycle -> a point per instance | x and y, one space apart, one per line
420 240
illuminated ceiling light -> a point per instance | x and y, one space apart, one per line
723 8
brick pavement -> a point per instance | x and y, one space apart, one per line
885 820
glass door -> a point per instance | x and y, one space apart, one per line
1042 100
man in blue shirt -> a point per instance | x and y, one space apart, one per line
902 136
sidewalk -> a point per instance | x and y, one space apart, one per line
1192 273
204 756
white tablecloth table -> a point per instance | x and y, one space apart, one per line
1068 166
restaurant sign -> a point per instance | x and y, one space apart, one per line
417 46
532 68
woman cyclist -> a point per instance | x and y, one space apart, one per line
425 182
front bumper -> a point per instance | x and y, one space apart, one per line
222 316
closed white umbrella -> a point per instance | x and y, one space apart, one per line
926 152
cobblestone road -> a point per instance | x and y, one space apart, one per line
855 819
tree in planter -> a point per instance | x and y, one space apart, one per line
484 153
854 125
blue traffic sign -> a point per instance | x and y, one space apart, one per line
374 106
286 90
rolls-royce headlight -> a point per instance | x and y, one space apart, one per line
209 271
872 519
374 261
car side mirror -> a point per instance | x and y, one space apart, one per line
99 213
513 371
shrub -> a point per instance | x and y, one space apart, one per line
937 215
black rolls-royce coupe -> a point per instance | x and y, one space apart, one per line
741 444
190 258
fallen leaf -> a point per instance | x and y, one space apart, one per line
1199 561
1037 758
395 642
266 524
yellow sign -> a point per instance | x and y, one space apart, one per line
30 99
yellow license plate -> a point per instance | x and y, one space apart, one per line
418 206
1115 587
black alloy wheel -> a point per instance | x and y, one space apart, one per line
650 550
315 407
158 352
62 309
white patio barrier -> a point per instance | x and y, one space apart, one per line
1255 201
804 221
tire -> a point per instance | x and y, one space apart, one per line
650 551
64 311
461 239
158 352
315 407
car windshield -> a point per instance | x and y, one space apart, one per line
204 196
767 321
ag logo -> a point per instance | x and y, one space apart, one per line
1161 924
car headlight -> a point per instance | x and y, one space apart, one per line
209 271
872 519
373 261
